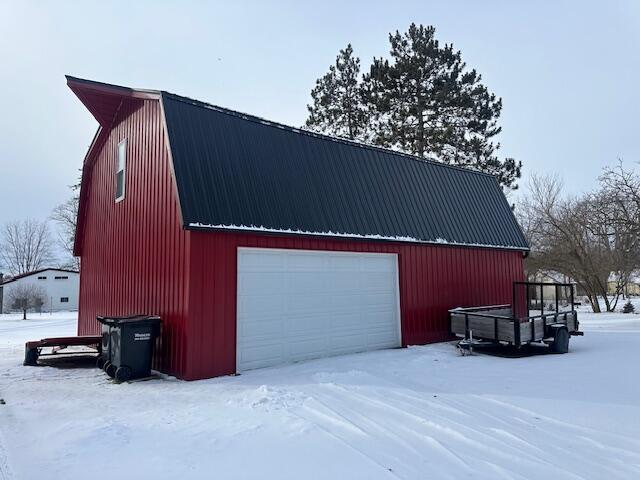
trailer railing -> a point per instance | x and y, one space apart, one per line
525 293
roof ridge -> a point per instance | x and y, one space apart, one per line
304 131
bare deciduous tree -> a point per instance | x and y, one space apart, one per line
25 246
621 187
579 238
65 215
26 296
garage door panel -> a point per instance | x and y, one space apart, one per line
260 305
312 347
377 301
343 263
306 262
378 342
346 321
254 261
260 327
343 303
376 263
347 283
377 281
357 282
309 324
353 343
262 353
303 282
295 305
304 304
263 282
377 321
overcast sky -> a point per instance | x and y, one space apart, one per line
567 73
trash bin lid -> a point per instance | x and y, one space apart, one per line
138 319
105 320
128 320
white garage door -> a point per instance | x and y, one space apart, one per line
299 304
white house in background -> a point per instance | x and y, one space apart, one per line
60 286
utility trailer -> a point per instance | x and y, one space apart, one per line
539 313
34 349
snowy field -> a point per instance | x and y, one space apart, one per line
416 413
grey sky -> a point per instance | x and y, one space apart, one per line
567 73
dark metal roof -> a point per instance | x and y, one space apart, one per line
239 172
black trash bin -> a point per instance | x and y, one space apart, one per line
129 342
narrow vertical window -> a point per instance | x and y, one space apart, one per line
121 168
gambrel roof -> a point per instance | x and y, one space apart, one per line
235 171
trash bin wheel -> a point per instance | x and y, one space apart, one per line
100 362
110 369
123 373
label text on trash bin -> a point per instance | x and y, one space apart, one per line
141 336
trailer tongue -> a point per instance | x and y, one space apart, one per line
539 312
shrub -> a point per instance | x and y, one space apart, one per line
628 307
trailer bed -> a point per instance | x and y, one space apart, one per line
497 324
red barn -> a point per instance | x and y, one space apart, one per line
259 243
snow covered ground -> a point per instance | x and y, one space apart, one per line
420 412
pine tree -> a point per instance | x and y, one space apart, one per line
337 102
628 307
427 102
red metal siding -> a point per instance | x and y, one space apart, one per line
433 279
134 256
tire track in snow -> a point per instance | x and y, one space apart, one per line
412 454
361 444
558 422
399 432
349 445
625 439
564 441
460 433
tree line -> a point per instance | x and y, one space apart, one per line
593 238
422 100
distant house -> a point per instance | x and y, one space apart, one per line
549 276
631 288
60 288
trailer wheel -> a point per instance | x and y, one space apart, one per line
560 341
31 357
123 373
100 362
